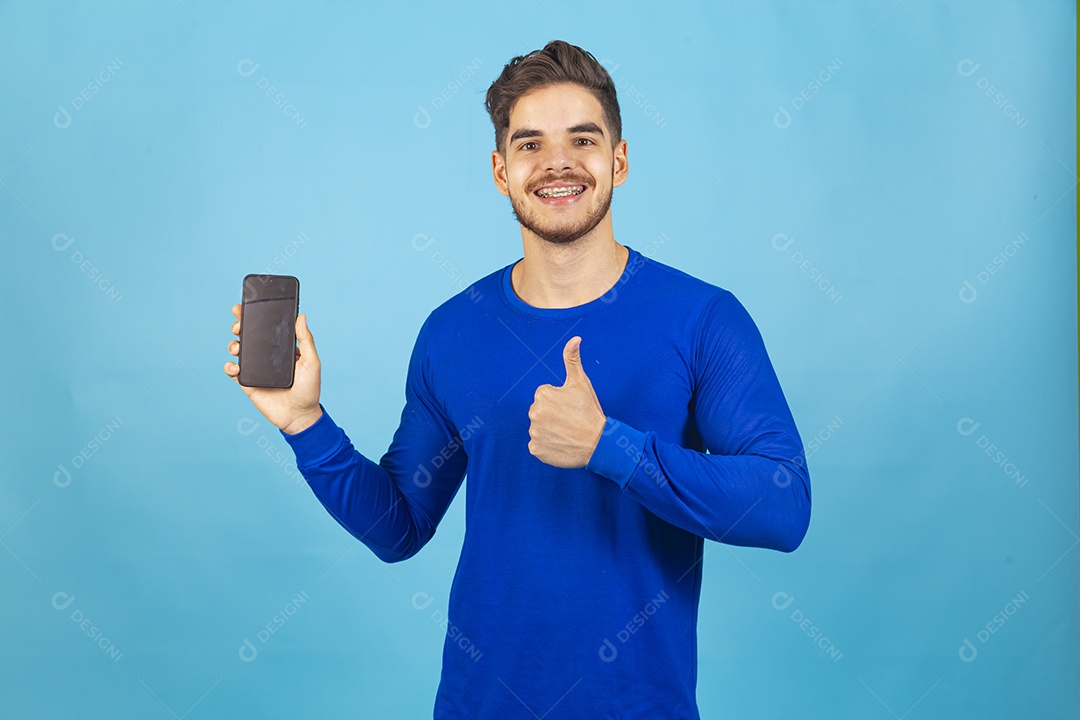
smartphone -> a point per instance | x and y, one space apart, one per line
269 307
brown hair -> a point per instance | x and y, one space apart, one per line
558 62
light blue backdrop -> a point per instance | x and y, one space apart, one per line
887 186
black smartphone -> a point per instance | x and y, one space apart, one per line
268 330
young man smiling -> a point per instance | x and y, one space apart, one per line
612 412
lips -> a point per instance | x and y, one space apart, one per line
564 191
561 188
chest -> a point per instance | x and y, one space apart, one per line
487 379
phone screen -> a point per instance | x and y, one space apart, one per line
268 330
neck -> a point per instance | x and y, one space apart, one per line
561 276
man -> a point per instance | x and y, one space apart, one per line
581 393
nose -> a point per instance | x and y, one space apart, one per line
558 157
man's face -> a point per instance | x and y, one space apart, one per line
557 139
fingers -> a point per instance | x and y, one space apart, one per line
305 338
305 350
231 368
233 371
572 359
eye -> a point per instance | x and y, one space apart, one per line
526 145
587 140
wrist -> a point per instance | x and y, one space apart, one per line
619 451
599 433
303 422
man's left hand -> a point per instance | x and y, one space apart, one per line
566 422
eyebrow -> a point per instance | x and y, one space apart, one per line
586 127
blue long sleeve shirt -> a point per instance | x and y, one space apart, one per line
576 592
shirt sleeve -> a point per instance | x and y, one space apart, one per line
752 488
395 505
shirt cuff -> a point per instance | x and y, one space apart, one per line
316 442
618 452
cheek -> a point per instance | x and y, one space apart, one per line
518 181
601 172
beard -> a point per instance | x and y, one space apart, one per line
559 234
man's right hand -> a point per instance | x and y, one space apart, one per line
295 408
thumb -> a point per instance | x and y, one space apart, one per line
572 358
304 338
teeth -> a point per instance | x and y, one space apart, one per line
560 192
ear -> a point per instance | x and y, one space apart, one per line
498 172
619 166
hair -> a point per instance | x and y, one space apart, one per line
558 62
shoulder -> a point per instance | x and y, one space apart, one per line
706 301
715 322
448 318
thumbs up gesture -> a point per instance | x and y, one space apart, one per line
566 422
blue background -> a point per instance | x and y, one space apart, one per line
152 154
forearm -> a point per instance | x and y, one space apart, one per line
362 495
753 500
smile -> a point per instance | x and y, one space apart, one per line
560 191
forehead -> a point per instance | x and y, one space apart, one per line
556 108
